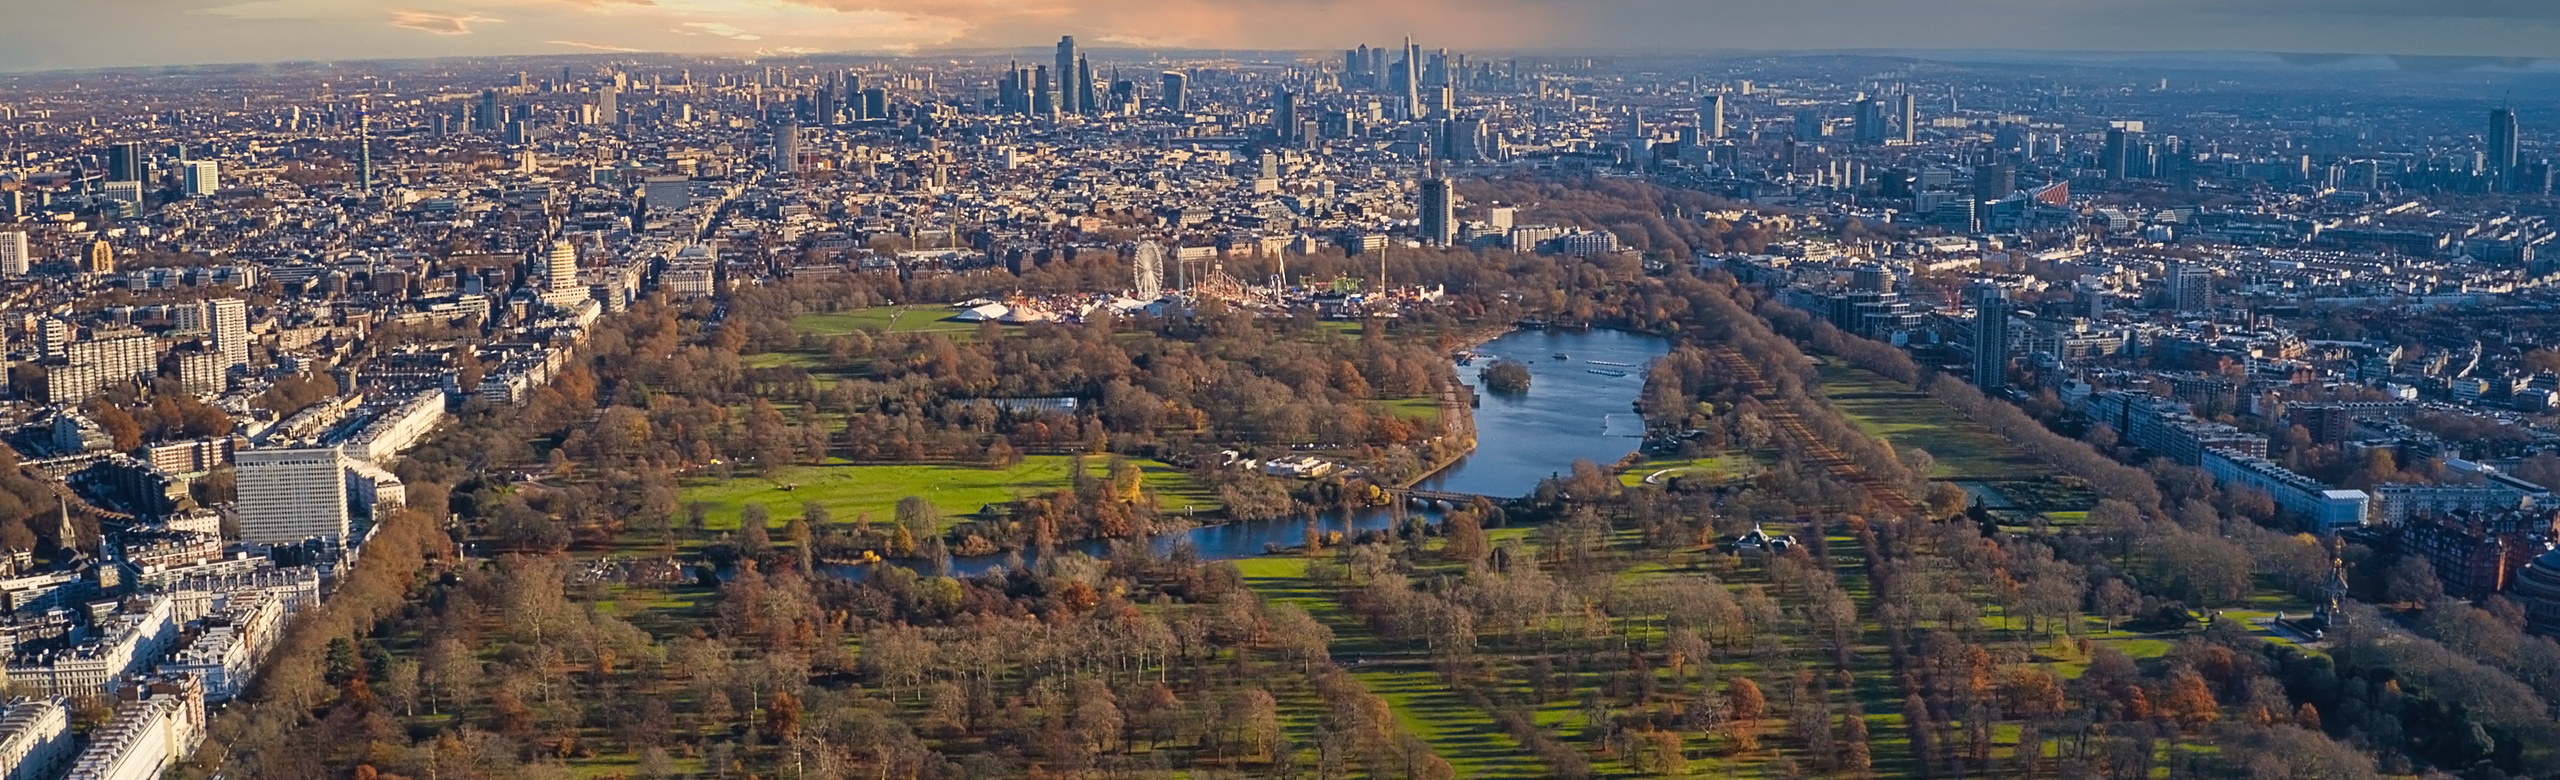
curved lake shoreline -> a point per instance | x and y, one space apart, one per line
1569 413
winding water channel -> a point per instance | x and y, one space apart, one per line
1579 406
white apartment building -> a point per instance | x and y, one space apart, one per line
225 322
123 192
35 739
147 736
399 427
373 488
690 279
54 336
560 284
107 357
203 178
2322 508
14 259
203 373
206 589
226 655
124 354
128 641
287 495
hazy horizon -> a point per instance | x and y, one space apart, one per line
146 33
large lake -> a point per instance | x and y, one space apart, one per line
1578 407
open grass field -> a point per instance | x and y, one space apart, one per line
1663 470
1908 418
923 318
1346 328
1424 409
2140 646
780 360
1457 731
850 491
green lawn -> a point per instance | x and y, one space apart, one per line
2139 646
1460 732
1349 328
1287 574
1908 418
1282 579
850 490
1726 466
1424 409
780 360
927 318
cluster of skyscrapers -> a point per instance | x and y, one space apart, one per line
1369 68
1066 87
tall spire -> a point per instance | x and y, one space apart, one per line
67 534
1412 74
364 147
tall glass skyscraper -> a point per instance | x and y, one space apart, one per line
1439 212
1176 89
1990 338
1066 70
124 161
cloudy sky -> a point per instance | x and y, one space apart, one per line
49 34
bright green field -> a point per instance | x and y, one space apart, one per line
1726 466
1468 737
850 491
927 318
1908 418
1424 409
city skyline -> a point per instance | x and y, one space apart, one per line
192 32
1072 399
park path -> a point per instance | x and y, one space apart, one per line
1817 450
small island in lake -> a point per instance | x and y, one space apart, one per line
1506 376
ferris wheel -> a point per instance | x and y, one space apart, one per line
1148 270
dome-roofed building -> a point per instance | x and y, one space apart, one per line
2537 588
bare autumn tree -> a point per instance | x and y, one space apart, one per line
1251 722
755 532
1466 540
1097 718
1923 730
2187 700
1746 707
1857 758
